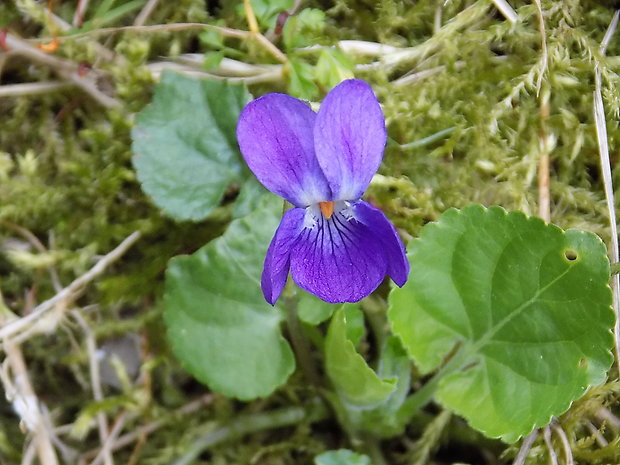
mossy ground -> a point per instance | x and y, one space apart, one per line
66 178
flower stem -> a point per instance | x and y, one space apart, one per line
246 424
424 395
301 344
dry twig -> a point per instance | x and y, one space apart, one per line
601 135
95 381
69 293
66 69
524 450
20 392
568 454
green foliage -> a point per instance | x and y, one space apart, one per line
341 457
301 80
313 310
333 67
301 28
218 322
185 146
385 419
524 306
267 11
356 382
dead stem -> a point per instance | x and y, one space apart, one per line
525 448
145 13
143 431
95 381
553 458
69 293
66 69
505 9
601 135
544 195
600 439
568 454
543 45
26 403
225 31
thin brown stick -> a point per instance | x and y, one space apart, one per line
525 448
543 45
71 292
145 13
600 439
26 403
225 31
547 437
66 69
544 194
568 454
505 9
78 17
601 135
95 381
130 438
106 447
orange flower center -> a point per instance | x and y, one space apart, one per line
327 208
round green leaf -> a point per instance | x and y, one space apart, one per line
218 322
184 144
525 306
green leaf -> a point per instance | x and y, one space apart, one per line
383 420
301 29
252 193
333 67
301 84
267 11
525 305
352 377
184 144
212 60
218 322
341 457
356 328
313 310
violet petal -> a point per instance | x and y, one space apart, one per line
385 232
277 260
339 259
349 138
275 134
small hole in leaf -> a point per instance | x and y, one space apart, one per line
570 255
583 362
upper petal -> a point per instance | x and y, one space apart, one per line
338 259
349 138
385 233
275 134
277 260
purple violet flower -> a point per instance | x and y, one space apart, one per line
336 246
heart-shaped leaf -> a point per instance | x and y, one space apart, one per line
525 306
185 147
218 322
